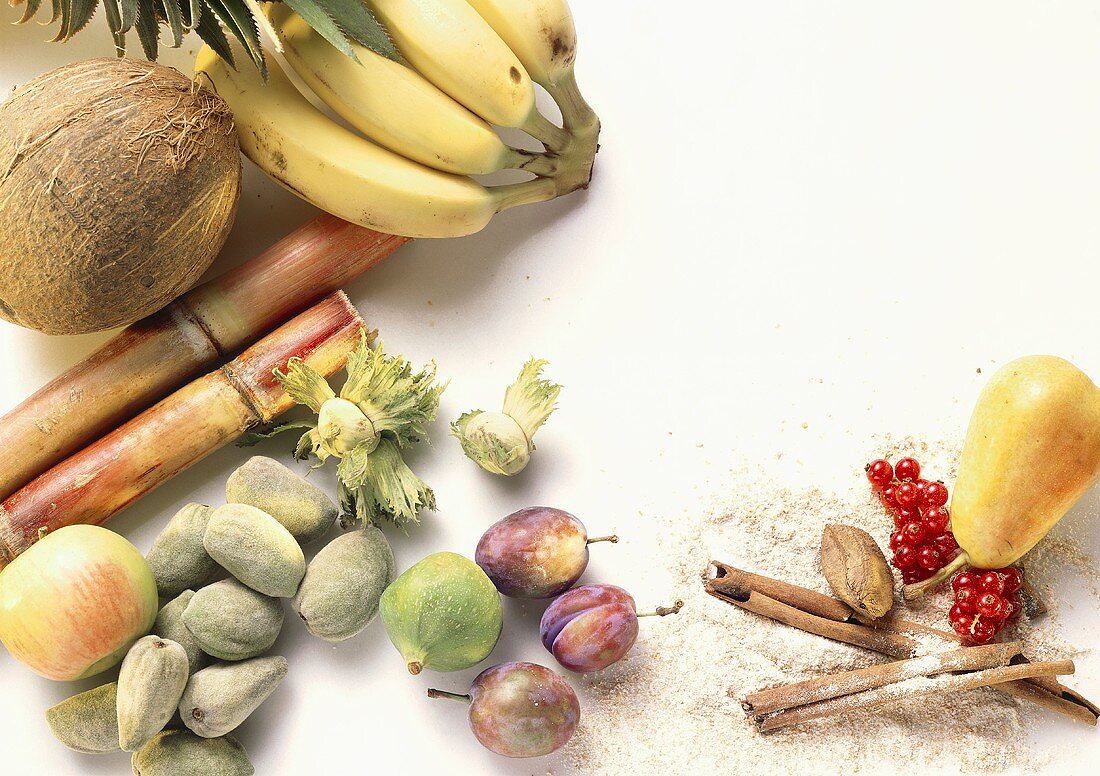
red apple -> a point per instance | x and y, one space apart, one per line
71 605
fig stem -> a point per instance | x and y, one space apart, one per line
664 611
452 695
920 588
613 539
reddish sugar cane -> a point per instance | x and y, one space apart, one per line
201 417
152 358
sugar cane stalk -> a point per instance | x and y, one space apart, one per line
152 358
193 422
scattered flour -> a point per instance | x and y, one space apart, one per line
673 705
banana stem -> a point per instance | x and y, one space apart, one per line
920 588
575 111
450 695
545 131
514 194
542 165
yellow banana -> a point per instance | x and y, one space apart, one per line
395 106
345 174
449 43
540 33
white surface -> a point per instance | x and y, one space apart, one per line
803 212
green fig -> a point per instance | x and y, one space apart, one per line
443 613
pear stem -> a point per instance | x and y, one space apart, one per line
451 695
613 539
664 611
415 668
920 588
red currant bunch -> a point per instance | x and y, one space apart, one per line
921 541
985 601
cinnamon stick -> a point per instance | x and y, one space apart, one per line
913 688
201 417
809 601
155 356
889 643
1046 692
861 680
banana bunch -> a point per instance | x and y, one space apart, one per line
423 119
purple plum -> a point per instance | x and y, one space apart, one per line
590 627
520 709
537 552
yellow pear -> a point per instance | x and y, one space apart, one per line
1031 451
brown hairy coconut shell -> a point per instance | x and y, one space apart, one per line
119 181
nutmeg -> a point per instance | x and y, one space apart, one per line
856 570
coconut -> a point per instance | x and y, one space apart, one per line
119 181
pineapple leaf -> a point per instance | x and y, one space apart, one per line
129 13
30 11
80 13
114 21
359 24
320 20
236 17
211 33
174 16
147 27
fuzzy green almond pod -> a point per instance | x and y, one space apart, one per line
256 549
87 722
182 753
343 585
233 622
304 509
383 407
178 559
219 698
502 442
150 684
443 614
169 625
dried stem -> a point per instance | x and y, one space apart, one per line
664 611
613 539
201 417
450 695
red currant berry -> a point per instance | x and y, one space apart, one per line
905 557
921 484
913 534
928 557
946 544
935 521
966 599
907 469
962 626
964 579
1013 579
956 615
895 540
879 473
1014 607
982 632
990 605
906 494
934 495
886 496
991 582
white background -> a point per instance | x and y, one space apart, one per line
827 214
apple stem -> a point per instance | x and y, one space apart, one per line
452 695
664 611
920 588
613 539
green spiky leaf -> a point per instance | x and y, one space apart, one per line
359 24
210 32
174 16
237 18
147 27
